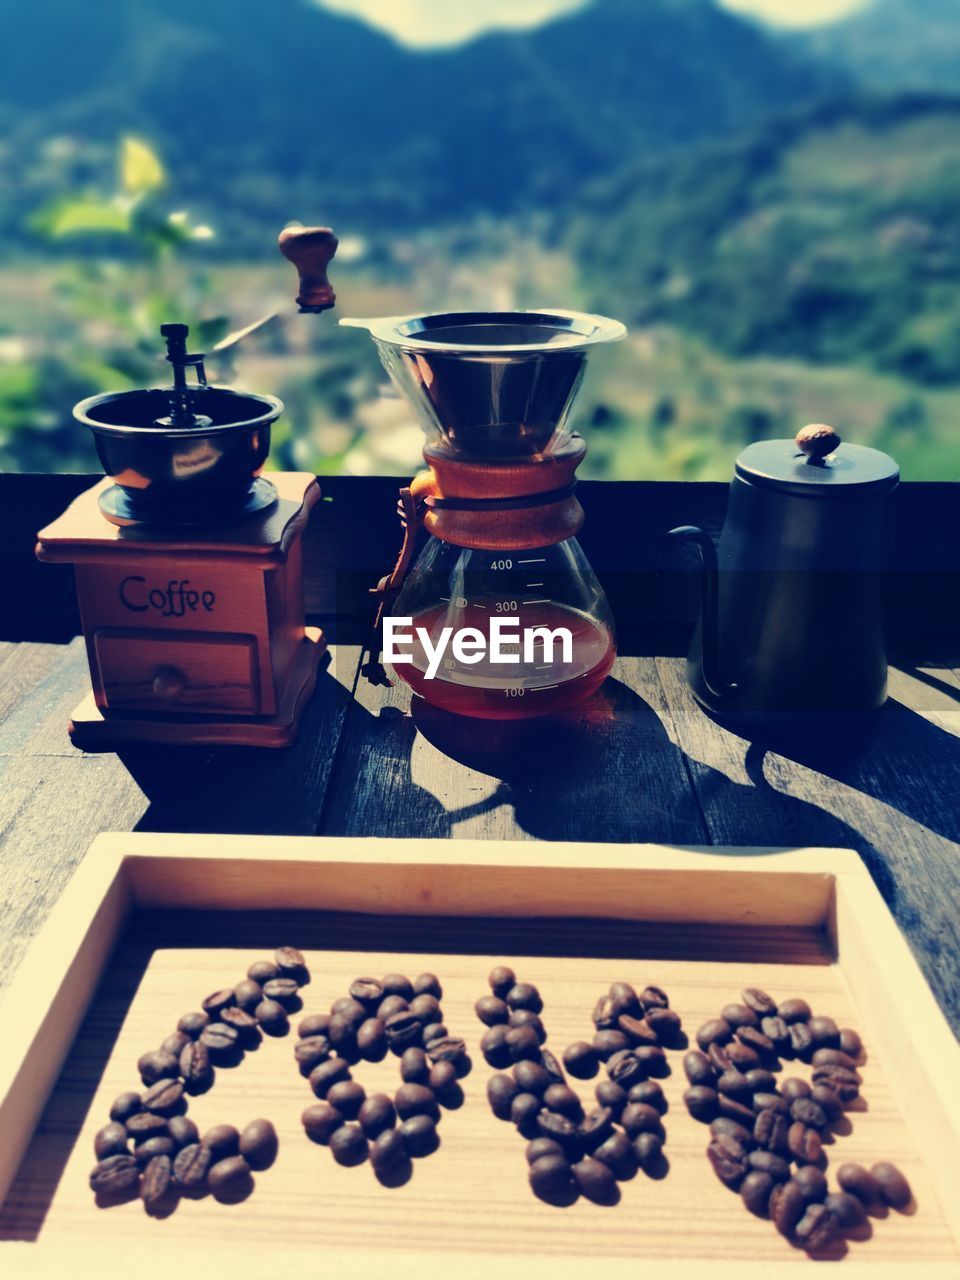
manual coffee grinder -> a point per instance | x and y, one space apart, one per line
493 391
188 561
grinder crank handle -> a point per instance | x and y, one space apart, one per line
311 250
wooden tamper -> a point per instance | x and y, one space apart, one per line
311 250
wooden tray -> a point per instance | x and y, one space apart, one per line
151 923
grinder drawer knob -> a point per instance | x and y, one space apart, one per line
169 683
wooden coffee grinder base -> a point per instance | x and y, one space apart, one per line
193 636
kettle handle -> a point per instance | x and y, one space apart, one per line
710 621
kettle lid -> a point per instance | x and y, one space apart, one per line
817 464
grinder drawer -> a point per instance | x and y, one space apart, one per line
182 672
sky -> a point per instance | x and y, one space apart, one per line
433 22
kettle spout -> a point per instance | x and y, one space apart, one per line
710 616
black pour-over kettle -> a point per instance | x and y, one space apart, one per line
792 614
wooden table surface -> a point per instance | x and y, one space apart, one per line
639 762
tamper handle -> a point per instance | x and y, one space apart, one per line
311 249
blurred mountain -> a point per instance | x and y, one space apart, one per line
833 238
895 44
265 112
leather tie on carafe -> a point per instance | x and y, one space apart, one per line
482 505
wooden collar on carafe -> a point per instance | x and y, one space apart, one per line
498 520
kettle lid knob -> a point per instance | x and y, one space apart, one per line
817 440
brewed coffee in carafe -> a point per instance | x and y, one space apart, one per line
500 616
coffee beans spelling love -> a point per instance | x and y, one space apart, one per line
767 1142
380 1016
150 1148
571 1153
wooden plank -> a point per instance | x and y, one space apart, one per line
159 969
887 786
605 769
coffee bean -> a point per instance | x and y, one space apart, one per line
626 995
894 1187
157 1065
762 1081
523 1042
654 998
755 1191
433 1031
245 1025
770 1102
702 1102
426 1009
845 1084
111 1140
391 1005
447 1049
649 1092
310 1052
165 1096
348 1145
415 1100
801 1041
191 1165
387 1150
666 1025
787 1206
542 1147
825 1033
191 1024
551 1065
372 1039
419 1135
795 1010
719 1059
262 971
230 1180
259 1144
715 1031
596 1128
648 1149
501 979
653 1060
524 995
816 1229
757 1041
428 984
637 1118
850 1043
272 1017
376 1114
611 1095
491 1010
699 1069
847 1211
594 1179
320 1121
397 984
550 1175
607 1012
183 1131
771 1131
524 1110
626 1068
367 991
759 1002
217 1001
833 1058
501 1092
728 1159
607 1043
220 1039
175 1042
767 1161
115 1176
284 990
794 1088
403 1030
808 1112
222 1140
828 1101
561 1098
777 1032
531 1077
738 1111
342 1034
527 1018
734 1084
739 1015
638 1030
348 1097
811 1182
804 1143
743 1135
289 960
617 1153
147 1151
195 1067
126 1105
327 1074
145 1125
738 1054
248 994
857 1180
551 1124
350 1012
156 1185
